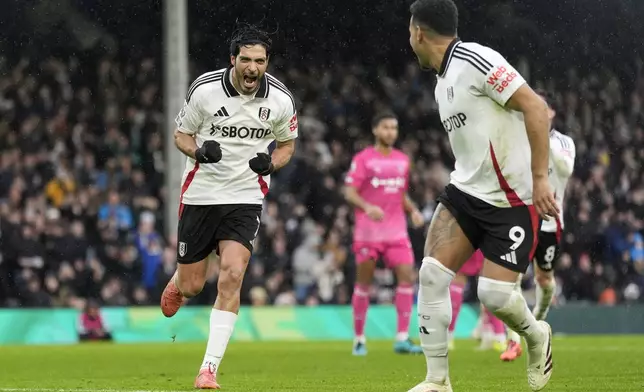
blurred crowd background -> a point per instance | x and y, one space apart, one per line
82 143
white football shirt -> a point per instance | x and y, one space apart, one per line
562 162
243 125
489 141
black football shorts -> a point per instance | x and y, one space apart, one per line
201 227
506 236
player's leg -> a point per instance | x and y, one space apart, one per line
497 332
399 256
365 255
485 338
544 259
493 334
514 350
234 238
481 324
456 290
472 267
546 286
191 277
446 249
195 234
545 292
508 246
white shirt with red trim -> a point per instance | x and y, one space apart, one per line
489 141
243 125
562 163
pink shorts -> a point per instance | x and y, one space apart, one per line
393 253
473 266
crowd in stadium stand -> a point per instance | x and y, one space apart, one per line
82 184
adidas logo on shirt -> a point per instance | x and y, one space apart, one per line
510 257
222 112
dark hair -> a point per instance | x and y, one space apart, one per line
440 16
247 34
375 121
549 98
91 304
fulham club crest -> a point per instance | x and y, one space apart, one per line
450 93
264 113
182 249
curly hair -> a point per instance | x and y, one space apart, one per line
438 15
248 34
375 121
549 98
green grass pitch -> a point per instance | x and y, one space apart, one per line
581 364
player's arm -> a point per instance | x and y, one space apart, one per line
185 143
188 122
285 131
410 206
535 115
417 218
354 180
356 176
283 153
537 125
503 84
352 197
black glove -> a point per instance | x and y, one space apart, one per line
261 164
209 152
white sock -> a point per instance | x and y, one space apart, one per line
402 336
360 339
544 299
499 337
477 333
434 316
510 307
222 324
513 336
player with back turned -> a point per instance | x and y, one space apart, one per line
230 118
498 130
562 163
376 186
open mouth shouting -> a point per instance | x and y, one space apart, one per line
250 81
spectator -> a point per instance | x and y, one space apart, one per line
258 296
59 187
150 247
116 213
305 259
80 128
34 296
91 326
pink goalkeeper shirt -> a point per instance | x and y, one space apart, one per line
381 180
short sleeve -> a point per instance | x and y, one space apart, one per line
563 153
190 118
357 173
498 79
286 127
